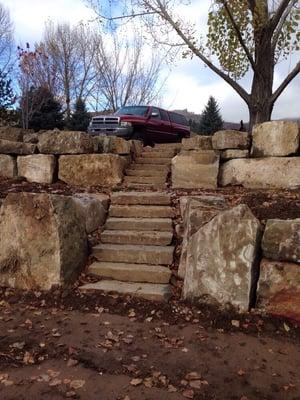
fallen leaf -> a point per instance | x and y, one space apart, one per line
148 383
172 389
241 372
77 384
28 358
71 362
235 323
193 376
55 382
136 382
286 327
196 384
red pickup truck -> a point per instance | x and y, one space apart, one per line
146 123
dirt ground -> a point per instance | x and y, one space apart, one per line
65 344
68 345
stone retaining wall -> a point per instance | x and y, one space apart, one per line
229 258
76 158
270 161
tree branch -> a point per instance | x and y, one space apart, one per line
281 22
239 35
274 21
166 16
285 83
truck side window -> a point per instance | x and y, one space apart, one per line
155 110
164 115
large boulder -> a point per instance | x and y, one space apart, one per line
279 288
281 240
8 167
275 138
195 169
197 142
120 146
39 168
93 209
91 169
10 147
264 173
65 142
222 259
223 140
196 212
43 241
12 134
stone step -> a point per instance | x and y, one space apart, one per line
144 186
137 211
147 172
145 179
163 147
131 272
142 198
158 154
149 167
155 238
139 224
137 254
160 161
148 291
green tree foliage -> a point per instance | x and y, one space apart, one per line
7 97
80 118
195 126
47 112
211 120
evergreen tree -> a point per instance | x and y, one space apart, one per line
80 119
211 120
46 111
7 97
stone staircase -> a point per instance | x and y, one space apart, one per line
151 169
136 246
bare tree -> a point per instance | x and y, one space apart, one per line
37 76
72 50
128 72
6 39
244 36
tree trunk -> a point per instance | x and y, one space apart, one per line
260 104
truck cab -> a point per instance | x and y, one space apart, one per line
147 123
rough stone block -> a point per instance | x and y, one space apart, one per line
223 140
92 209
65 142
281 240
197 142
8 167
275 138
43 241
91 169
264 173
222 259
197 169
10 147
235 153
279 289
38 168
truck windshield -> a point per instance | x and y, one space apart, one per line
133 110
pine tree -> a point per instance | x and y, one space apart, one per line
80 119
7 97
47 112
211 120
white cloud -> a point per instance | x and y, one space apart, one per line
29 16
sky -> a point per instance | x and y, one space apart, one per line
189 83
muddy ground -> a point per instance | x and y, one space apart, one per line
64 344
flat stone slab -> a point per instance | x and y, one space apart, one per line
143 211
148 291
8 147
147 172
146 179
131 272
161 161
155 238
158 154
135 198
149 167
145 224
156 255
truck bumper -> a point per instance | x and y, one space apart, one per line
121 132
